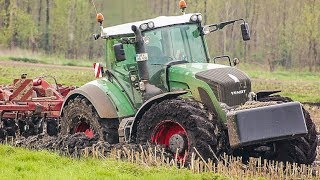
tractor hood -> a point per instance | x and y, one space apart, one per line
194 68
230 85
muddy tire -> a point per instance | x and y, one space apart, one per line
79 115
180 123
3 134
10 127
301 150
52 127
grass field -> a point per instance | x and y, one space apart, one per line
21 55
18 163
302 86
66 75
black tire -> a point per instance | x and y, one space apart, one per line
199 124
10 127
80 110
301 150
52 127
3 134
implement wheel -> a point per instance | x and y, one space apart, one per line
79 115
301 150
182 127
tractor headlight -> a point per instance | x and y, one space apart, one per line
144 26
206 30
150 25
194 18
200 18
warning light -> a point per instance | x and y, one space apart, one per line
100 18
182 5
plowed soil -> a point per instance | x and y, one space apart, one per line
314 109
79 145
75 144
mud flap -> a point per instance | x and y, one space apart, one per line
266 124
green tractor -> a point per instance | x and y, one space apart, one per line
161 86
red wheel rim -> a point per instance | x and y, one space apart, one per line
167 129
85 128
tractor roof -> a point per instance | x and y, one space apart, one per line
160 21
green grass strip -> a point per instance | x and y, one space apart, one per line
19 163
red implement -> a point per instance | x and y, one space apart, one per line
32 97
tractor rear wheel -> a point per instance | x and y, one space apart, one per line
79 115
300 150
183 127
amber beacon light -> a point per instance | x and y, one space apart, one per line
100 18
182 5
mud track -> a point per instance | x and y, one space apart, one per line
74 145
79 145
314 110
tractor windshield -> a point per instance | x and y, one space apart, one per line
179 42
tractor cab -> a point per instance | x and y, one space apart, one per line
181 42
166 40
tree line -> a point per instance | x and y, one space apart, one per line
283 32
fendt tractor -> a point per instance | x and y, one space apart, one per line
161 86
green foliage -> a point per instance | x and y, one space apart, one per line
303 86
25 28
18 163
286 33
24 59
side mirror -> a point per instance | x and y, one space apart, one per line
236 61
96 36
245 31
119 52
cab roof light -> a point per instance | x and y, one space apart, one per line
150 25
196 18
145 26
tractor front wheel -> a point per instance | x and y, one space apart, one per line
79 115
301 150
181 126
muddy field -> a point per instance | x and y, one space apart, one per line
314 109
78 144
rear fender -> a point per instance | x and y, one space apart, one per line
98 98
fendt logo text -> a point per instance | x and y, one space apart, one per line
238 92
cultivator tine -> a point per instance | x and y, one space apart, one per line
44 127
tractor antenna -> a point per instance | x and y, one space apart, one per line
94 6
100 19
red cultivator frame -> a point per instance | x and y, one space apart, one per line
31 106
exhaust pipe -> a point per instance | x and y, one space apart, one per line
141 58
142 55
